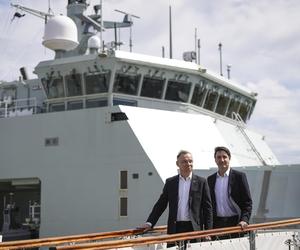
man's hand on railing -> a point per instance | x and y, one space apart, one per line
145 227
243 224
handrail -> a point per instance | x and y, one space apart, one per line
177 237
53 241
56 241
241 126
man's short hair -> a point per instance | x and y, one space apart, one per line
182 152
222 148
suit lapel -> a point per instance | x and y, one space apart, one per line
176 189
230 181
193 187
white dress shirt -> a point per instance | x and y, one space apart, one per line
225 207
183 198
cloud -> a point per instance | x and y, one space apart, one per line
277 117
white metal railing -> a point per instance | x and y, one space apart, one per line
18 107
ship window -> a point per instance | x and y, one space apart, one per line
123 180
123 206
126 84
73 83
222 104
56 107
74 105
198 95
211 100
94 103
178 91
118 101
96 83
152 87
53 87
243 112
233 106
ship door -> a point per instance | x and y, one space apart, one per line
20 208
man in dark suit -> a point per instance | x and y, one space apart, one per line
188 197
230 194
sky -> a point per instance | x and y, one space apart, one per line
260 40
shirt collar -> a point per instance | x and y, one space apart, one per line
187 178
226 174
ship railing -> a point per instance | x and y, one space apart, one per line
241 127
18 107
136 238
72 239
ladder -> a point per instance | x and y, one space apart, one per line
240 126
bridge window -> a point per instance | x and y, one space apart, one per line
233 107
117 101
198 95
152 87
74 105
210 101
53 87
243 111
96 83
73 83
56 107
126 84
222 105
94 103
178 91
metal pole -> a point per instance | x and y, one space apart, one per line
199 46
228 71
130 38
170 23
220 49
116 37
101 21
196 43
163 51
252 240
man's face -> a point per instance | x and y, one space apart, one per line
185 164
222 160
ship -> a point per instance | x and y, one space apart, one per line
87 145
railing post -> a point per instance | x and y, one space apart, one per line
252 235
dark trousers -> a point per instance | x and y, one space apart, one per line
183 227
232 221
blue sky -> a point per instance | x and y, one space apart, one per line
260 40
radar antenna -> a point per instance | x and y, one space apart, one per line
128 19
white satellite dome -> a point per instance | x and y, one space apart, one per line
60 33
94 42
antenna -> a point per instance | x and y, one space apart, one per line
170 23
163 51
199 46
228 70
196 44
220 49
128 19
50 11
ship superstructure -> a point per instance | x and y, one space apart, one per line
93 138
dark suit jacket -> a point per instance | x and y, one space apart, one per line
200 207
238 191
